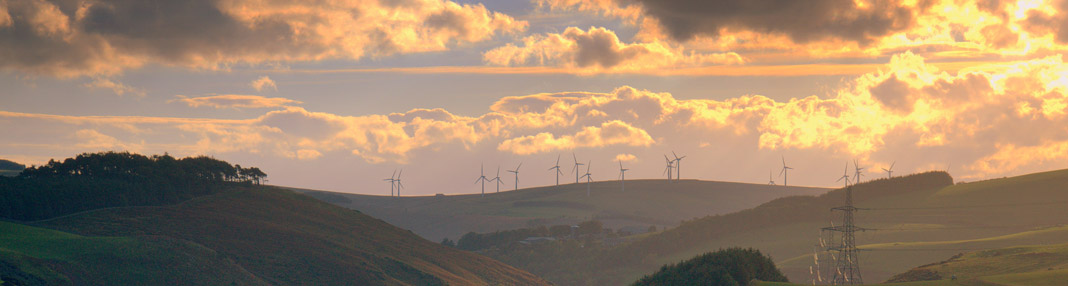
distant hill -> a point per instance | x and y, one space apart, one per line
251 235
644 203
10 169
127 219
912 220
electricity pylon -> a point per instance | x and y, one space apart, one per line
846 264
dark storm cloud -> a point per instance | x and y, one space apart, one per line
802 21
72 38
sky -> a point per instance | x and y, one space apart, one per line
338 95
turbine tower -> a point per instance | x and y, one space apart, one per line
770 180
622 177
497 179
577 164
399 184
482 178
392 182
890 172
856 176
846 263
557 168
516 172
589 177
784 172
670 166
845 175
678 166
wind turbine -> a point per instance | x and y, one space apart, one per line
678 166
392 182
890 172
557 167
622 177
856 176
588 177
399 184
770 180
845 175
784 172
577 164
498 179
482 178
516 172
670 166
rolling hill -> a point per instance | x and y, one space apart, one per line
643 203
244 235
1033 265
912 220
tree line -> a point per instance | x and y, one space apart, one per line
115 179
726 267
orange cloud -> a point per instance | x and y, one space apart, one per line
980 118
600 50
236 101
263 83
117 87
609 133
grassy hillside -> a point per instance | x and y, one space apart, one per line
643 203
913 220
247 235
1037 265
1020 265
37 256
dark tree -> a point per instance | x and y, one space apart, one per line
726 267
112 179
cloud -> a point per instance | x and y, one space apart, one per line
609 133
117 87
801 21
236 101
988 122
626 157
263 83
70 38
599 49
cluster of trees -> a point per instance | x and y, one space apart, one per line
726 267
114 179
478 241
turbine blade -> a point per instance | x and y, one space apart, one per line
399 174
517 167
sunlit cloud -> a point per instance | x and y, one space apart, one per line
263 83
988 122
599 49
626 157
68 39
609 133
812 31
117 87
235 101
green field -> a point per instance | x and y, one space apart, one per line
642 204
253 235
36 255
